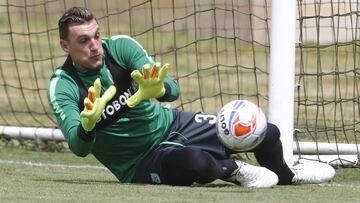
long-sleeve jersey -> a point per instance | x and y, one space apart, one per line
124 143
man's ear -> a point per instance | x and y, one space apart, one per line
64 45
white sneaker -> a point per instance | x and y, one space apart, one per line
312 172
253 176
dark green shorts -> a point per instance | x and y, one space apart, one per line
189 129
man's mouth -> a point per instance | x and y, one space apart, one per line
97 56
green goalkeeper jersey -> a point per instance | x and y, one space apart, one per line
127 140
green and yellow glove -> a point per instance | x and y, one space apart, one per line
94 104
151 83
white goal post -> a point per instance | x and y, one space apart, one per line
282 72
281 94
34 133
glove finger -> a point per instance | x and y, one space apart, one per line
108 94
83 114
88 103
97 87
91 94
90 113
146 71
87 114
155 70
133 100
136 75
163 71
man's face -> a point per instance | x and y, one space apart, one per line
83 44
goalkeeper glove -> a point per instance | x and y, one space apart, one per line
94 105
151 83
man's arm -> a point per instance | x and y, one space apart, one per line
172 90
129 53
63 97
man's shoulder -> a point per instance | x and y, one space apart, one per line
61 78
118 37
120 40
60 73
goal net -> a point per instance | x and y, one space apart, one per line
327 75
218 50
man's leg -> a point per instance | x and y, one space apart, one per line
269 154
182 166
187 165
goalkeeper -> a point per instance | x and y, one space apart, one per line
101 97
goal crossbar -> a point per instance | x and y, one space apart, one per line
343 160
325 148
18 132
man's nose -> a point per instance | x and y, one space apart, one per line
94 45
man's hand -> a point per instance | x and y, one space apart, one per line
151 83
94 104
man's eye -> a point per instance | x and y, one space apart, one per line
97 35
82 40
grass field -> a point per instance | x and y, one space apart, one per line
30 176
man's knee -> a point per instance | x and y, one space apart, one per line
272 132
189 158
188 165
271 138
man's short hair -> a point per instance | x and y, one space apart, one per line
74 15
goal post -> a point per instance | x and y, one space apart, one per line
282 72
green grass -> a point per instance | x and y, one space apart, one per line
21 182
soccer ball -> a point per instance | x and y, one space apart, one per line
241 125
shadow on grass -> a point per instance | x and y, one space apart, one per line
78 181
215 185
93 181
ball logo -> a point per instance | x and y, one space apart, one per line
243 127
222 122
243 119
